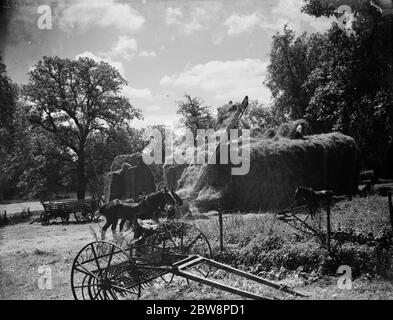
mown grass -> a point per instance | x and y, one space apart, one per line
262 243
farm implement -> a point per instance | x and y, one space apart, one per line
106 271
83 210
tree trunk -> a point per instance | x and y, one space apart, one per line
82 181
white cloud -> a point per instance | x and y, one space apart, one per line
226 80
284 12
117 64
238 24
289 11
197 19
173 16
124 48
131 93
82 15
151 54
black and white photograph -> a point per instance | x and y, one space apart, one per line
209 151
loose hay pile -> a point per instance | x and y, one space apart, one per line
278 166
132 178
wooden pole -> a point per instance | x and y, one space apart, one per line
5 218
220 223
390 208
328 229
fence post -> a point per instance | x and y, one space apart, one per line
5 218
221 228
328 229
390 208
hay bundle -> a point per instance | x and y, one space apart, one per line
136 160
182 176
326 161
172 174
288 130
133 178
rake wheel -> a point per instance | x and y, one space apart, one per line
180 238
44 218
185 238
104 271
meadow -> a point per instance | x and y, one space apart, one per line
258 243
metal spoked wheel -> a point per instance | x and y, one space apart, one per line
65 218
104 271
184 238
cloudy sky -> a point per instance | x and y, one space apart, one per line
217 50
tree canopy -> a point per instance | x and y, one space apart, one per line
194 114
72 99
338 80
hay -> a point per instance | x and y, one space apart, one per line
135 160
181 177
225 115
288 130
326 161
133 178
172 174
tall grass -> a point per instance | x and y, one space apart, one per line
260 242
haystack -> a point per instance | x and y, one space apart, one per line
135 160
278 166
179 176
129 176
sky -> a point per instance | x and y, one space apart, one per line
216 50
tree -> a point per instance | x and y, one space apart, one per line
8 99
337 80
352 87
291 61
35 161
72 99
195 114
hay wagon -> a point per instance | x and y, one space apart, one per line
83 210
106 271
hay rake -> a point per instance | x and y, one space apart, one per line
105 271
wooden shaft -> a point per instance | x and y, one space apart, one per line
219 285
251 277
230 126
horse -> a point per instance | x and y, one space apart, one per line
170 210
314 199
150 207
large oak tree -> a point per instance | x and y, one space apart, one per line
72 99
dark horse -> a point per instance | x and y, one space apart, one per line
314 199
150 207
171 211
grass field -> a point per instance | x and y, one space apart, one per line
260 244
